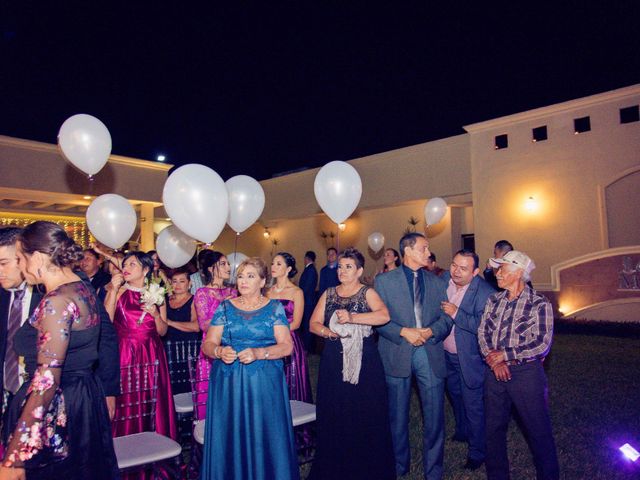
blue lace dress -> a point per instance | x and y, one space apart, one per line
248 432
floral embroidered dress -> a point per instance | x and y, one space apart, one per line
59 419
206 301
140 343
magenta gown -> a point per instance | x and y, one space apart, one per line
141 343
206 301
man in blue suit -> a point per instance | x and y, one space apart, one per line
308 283
410 346
467 296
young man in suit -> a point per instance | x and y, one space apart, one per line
91 265
308 283
14 287
467 296
410 346
17 302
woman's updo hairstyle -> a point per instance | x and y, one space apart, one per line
290 261
207 259
51 239
353 254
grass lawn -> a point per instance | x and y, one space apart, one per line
594 387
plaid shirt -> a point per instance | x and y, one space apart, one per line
522 328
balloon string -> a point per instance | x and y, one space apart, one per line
235 260
338 240
91 183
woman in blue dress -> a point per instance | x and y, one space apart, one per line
248 431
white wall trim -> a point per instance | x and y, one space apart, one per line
610 252
616 301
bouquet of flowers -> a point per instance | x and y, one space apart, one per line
152 294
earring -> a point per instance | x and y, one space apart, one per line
39 274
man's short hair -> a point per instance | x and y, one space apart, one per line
331 248
9 236
503 246
92 252
311 255
408 240
465 252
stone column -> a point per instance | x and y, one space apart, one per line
147 241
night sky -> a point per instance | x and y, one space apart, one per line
270 87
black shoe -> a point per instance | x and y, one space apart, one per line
473 464
458 438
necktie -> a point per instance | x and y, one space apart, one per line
11 370
417 300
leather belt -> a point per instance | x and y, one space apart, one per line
521 362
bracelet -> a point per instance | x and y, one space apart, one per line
322 332
215 352
266 354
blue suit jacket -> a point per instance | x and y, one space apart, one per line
395 351
308 283
467 322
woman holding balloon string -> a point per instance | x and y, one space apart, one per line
139 326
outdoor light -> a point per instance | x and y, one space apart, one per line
161 158
87 197
629 452
342 226
531 205
266 233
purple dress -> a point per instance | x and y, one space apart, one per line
206 301
140 343
296 371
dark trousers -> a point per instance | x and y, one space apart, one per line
468 408
527 392
431 391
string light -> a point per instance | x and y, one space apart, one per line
75 228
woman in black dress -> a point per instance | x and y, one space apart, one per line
354 436
183 327
57 423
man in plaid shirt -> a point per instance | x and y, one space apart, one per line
514 336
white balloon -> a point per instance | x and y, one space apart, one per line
376 241
338 189
246 202
196 199
235 259
175 248
111 220
85 142
435 210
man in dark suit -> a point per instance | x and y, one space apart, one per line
91 265
12 282
467 296
17 302
329 273
410 345
308 283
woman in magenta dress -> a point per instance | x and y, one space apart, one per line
215 269
296 369
139 328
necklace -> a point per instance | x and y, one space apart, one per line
253 306
279 290
134 289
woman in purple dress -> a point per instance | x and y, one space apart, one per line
283 268
139 328
215 270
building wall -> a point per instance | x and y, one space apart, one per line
296 236
565 175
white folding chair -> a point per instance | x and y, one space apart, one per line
145 449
